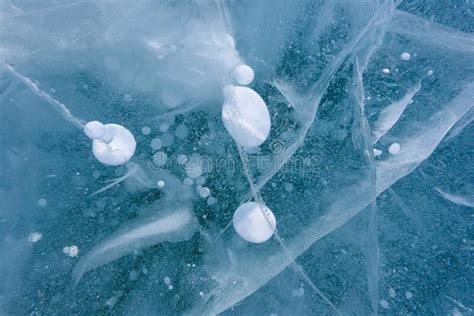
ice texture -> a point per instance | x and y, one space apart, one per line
361 147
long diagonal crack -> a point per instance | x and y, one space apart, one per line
291 257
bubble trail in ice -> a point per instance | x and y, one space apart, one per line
106 149
46 97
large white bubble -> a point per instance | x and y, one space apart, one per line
245 116
254 222
118 150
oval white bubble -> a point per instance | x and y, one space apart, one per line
245 116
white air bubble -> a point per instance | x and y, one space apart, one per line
156 143
200 180
244 74
211 201
254 222
377 152
245 116
405 56
42 202
161 184
164 127
94 130
193 169
392 292
35 237
71 251
288 187
386 71
116 150
188 181
204 192
394 148
146 130
181 131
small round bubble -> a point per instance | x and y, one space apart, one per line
394 148
146 130
42 202
405 56
156 143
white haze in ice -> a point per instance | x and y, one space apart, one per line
391 114
177 225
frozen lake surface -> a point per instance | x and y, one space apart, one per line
203 157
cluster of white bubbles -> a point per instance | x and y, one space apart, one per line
112 144
71 251
35 237
247 119
244 113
